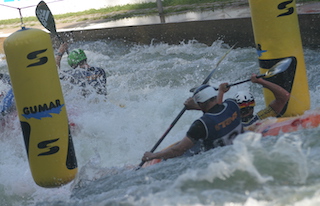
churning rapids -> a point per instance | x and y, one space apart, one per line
147 86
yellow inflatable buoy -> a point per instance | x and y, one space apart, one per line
41 107
277 36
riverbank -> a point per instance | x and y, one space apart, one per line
197 12
232 24
83 19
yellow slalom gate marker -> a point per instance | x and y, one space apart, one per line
41 107
277 36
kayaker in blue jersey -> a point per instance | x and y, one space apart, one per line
7 104
82 74
218 126
246 102
5 78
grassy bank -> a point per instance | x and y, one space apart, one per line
125 11
131 10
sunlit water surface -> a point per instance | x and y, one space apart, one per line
147 85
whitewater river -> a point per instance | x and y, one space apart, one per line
147 86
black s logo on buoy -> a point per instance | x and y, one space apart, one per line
283 5
34 55
44 145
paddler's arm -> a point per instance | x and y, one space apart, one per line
62 49
281 95
223 88
171 152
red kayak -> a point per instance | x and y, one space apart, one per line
276 126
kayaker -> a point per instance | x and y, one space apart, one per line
246 102
82 74
5 78
7 104
218 126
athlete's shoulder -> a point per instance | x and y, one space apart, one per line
230 100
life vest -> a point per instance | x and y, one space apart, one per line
93 76
7 103
7 98
222 127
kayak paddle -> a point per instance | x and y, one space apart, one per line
45 17
281 66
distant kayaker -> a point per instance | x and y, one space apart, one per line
219 125
246 102
7 103
82 74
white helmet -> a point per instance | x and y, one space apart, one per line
204 93
244 99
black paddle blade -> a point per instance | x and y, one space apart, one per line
45 17
281 66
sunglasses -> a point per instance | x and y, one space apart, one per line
245 110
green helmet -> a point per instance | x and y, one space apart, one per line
76 56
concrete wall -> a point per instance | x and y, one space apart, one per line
229 30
